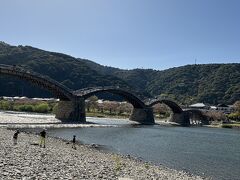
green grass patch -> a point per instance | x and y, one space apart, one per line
237 125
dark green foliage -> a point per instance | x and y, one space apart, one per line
63 68
234 116
212 83
41 108
27 108
5 105
227 126
208 83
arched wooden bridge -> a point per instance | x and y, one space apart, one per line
72 103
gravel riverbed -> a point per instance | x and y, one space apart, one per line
58 160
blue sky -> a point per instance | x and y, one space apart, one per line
128 34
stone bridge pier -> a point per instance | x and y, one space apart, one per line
71 111
143 115
181 118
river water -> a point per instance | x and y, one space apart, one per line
209 152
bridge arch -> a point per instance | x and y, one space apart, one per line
197 115
179 116
44 82
88 92
140 113
171 104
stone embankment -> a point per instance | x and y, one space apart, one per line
58 160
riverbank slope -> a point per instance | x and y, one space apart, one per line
58 160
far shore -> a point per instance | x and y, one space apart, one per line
18 119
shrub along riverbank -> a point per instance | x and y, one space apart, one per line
231 125
35 106
50 107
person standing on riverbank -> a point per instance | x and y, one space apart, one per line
74 142
43 138
15 137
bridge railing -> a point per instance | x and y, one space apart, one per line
88 90
4 65
38 75
91 89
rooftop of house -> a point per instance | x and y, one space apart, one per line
198 105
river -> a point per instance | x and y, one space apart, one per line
209 152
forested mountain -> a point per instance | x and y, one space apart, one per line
210 83
214 83
63 68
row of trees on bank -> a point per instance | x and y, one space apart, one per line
214 115
93 105
235 115
27 106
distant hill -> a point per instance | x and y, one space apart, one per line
209 83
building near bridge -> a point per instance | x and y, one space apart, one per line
199 106
226 109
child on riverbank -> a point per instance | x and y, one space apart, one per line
15 137
74 142
42 138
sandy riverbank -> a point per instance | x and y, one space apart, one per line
59 161
13 119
